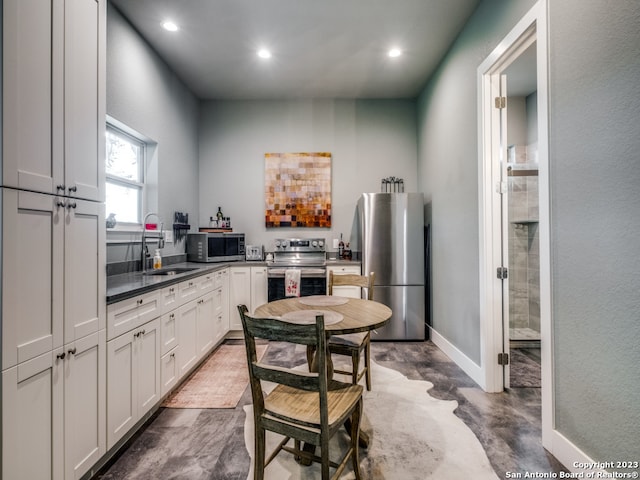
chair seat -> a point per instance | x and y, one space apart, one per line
348 340
304 406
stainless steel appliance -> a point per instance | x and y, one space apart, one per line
253 253
391 237
306 254
215 247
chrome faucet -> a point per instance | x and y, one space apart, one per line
144 254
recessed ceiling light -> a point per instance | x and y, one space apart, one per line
264 53
170 26
395 52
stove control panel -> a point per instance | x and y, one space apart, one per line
299 245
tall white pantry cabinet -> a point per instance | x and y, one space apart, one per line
53 237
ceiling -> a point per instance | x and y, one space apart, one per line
320 48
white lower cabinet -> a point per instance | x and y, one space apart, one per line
345 291
187 337
53 412
247 286
133 378
169 371
205 324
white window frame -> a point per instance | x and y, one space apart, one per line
124 182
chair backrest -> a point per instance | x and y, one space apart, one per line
350 280
278 330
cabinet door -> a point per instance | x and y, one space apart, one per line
258 287
169 371
239 294
169 332
205 333
187 291
225 300
188 352
32 288
32 415
121 402
31 49
84 97
147 349
84 404
85 273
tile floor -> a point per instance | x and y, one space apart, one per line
209 444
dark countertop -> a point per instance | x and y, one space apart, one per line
127 285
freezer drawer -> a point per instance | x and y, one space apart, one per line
407 305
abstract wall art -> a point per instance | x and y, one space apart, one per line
297 190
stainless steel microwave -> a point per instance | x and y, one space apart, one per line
215 247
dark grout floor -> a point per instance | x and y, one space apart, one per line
209 444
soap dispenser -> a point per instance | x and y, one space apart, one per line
157 260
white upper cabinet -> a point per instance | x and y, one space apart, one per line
54 96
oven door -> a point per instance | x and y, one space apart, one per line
312 282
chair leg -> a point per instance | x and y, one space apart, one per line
355 434
367 364
310 354
355 363
259 452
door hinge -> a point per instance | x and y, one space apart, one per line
501 102
502 273
503 359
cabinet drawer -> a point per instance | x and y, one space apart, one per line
131 313
188 290
206 283
170 298
344 270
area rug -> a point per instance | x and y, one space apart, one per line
218 383
413 436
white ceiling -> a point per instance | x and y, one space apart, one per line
321 48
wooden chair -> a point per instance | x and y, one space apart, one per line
308 407
353 344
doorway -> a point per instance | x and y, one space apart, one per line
521 220
514 236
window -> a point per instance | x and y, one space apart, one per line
125 161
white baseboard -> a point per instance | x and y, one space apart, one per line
574 459
470 367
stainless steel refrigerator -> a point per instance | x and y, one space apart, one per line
391 238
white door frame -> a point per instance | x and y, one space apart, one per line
534 23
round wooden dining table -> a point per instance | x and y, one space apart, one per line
358 315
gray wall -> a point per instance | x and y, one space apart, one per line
368 140
594 111
143 93
594 70
448 172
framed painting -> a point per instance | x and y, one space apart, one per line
297 190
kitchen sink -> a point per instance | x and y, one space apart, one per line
171 271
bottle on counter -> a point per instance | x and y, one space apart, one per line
220 216
212 223
340 248
157 260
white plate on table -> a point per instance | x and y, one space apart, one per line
308 317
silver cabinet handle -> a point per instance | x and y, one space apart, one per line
61 187
71 205
173 355
60 203
73 189
72 351
61 356
172 316
139 302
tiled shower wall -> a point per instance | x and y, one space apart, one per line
524 250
